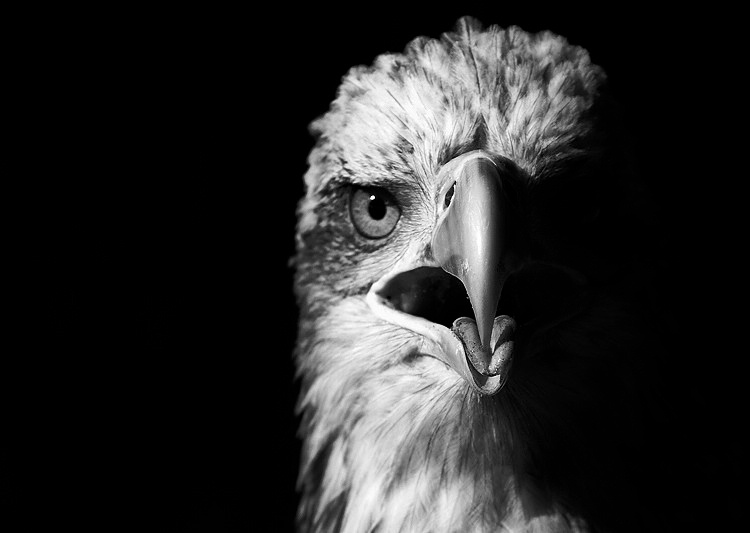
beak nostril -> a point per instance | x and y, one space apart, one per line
449 194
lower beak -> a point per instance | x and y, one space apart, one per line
469 243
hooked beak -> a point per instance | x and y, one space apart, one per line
467 243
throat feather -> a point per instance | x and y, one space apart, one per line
412 445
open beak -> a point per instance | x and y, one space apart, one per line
467 243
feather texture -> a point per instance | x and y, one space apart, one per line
395 441
410 113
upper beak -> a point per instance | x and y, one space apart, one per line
469 243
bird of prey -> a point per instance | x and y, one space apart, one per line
476 344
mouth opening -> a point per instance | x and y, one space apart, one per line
435 304
528 295
433 294
429 293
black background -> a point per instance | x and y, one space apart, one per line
172 146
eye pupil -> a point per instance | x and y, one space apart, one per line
376 207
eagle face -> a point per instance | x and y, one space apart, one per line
458 269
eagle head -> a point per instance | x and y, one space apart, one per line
465 271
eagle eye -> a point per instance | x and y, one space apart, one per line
374 211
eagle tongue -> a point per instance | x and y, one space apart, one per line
485 362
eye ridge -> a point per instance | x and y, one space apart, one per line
373 211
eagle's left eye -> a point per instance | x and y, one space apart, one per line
374 211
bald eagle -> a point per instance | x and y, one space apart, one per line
478 344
